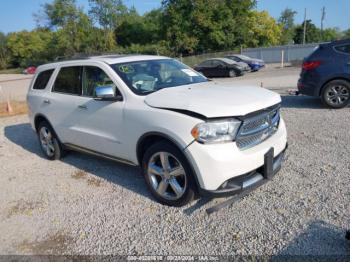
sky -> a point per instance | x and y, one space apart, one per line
16 15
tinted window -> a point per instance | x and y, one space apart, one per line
205 63
95 77
68 81
343 49
217 63
42 79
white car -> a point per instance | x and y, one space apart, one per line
188 134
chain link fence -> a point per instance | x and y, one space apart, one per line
275 54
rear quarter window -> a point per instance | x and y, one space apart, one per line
42 79
343 49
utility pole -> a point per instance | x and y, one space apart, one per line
304 35
323 16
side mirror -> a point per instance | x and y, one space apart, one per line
106 93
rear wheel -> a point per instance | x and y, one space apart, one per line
336 94
232 73
49 142
168 175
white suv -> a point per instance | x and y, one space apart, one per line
189 134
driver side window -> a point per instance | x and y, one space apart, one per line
95 77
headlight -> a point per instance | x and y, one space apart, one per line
216 131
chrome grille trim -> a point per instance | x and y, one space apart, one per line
258 128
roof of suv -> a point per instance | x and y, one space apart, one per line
108 59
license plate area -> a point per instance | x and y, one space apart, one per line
271 165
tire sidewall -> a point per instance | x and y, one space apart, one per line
56 143
190 191
329 85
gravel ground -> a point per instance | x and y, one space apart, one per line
86 205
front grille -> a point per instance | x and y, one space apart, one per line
257 128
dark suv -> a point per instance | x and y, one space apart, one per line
326 74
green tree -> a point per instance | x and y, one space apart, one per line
142 30
205 25
4 55
263 30
346 34
286 20
331 34
74 30
107 14
29 48
313 34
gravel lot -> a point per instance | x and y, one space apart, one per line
86 205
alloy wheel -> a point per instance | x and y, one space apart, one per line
167 176
46 141
337 95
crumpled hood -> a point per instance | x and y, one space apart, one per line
213 99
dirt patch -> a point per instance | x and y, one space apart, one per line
13 108
79 174
91 181
52 245
23 207
94 182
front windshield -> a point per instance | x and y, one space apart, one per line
144 77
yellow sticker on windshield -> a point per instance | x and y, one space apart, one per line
127 69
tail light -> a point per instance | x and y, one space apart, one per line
311 65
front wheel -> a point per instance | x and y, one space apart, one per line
168 175
336 94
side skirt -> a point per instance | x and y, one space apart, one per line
94 153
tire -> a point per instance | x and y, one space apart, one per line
232 73
336 94
49 142
176 190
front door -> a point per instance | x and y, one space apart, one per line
99 123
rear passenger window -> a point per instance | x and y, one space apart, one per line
343 49
42 79
68 81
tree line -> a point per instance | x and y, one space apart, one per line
178 27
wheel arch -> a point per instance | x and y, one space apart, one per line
150 138
344 78
40 118
153 137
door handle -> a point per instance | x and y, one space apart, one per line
47 101
82 107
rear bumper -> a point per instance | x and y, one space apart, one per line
248 182
309 89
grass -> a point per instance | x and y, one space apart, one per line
18 108
11 71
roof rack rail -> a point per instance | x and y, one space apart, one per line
81 56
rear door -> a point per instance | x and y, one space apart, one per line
62 102
219 68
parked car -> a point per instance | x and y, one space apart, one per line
254 64
326 74
220 67
189 135
30 70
